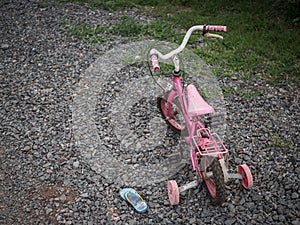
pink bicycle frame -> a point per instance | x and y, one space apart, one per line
193 126
190 124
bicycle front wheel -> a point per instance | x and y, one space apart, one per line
171 113
214 181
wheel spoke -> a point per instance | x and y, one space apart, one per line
172 116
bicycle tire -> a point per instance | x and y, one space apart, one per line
173 122
215 184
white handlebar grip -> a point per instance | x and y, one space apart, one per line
154 62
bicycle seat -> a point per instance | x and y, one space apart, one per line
196 104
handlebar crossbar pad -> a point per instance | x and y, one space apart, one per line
217 28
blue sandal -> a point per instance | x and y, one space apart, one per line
131 196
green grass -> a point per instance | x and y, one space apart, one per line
126 27
262 42
43 4
246 94
286 145
227 91
87 33
107 5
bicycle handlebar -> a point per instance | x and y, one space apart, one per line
213 35
155 54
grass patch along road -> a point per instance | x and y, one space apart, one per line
263 39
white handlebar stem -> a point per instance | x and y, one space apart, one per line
180 48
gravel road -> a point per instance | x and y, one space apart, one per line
44 178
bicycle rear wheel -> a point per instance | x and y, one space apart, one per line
174 118
214 181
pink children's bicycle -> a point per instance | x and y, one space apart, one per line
208 154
